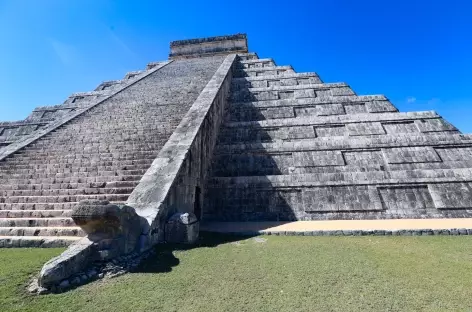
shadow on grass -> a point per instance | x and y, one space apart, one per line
163 260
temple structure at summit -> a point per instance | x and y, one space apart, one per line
219 133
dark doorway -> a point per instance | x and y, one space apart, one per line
197 207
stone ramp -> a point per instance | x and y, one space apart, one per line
99 155
456 226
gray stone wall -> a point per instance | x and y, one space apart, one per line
101 154
208 46
293 150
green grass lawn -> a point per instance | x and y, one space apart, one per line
431 273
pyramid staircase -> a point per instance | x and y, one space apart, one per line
295 148
99 155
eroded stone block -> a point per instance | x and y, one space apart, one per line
341 199
182 228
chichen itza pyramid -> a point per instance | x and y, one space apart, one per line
221 134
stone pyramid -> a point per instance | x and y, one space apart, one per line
219 132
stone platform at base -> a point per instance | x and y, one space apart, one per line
459 226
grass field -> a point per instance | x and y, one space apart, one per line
268 273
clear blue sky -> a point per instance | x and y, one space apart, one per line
417 53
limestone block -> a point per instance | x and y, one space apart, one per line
365 128
434 125
330 131
320 110
304 93
285 95
364 158
318 159
411 155
406 199
341 198
259 84
400 127
341 91
182 228
265 95
377 106
355 108
282 112
455 153
287 82
452 195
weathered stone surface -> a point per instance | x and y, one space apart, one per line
208 46
71 261
182 228
116 229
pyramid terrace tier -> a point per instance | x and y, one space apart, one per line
360 125
282 92
99 155
362 195
338 154
289 79
263 71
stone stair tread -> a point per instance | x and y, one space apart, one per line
29 206
41 231
71 238
34 213
37 241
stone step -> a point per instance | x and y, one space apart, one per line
74 169
256 60
354 119
35 213
94 137
37 241
269 71
69 160
37 222
42 231
343 178
259 63
63 192
75 179
160 124
63 198
247 56
323 162
443 140
98 148
275 80
373 103
115 155
14 176
44 206
111 184
292 92
246 114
